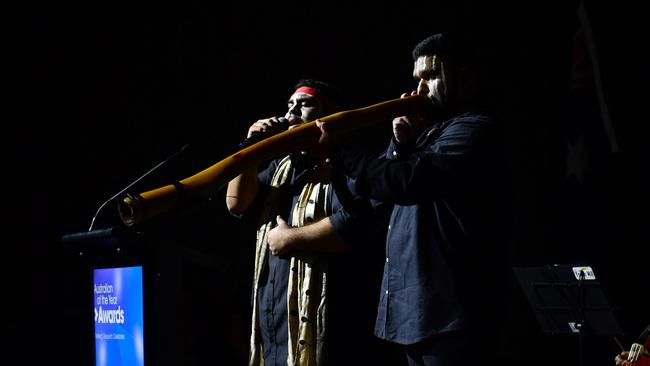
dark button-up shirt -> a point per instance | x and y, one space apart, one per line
437 187
272 290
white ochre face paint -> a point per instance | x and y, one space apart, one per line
303 106
428 72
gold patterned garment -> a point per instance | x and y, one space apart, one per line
307 287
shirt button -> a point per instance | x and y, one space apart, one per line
388 227
386 292
386 259
394 153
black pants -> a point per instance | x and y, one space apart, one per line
448 349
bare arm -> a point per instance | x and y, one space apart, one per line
242 191
320 236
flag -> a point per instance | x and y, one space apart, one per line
592 146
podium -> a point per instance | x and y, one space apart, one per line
133 286
568 299
190 287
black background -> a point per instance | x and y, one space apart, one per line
104 91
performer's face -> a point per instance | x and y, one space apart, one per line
431 78
303 108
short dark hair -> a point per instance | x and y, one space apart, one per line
329 91
436 44
448 44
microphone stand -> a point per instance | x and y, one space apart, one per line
92 222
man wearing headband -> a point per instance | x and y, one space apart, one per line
297 201
441 296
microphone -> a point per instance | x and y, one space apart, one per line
182 149
282 125
95 234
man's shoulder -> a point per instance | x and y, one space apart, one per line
472 116
466 123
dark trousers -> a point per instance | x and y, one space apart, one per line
443 350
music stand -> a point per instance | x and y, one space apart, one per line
568 299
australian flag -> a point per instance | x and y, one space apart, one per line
605 208
591 151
